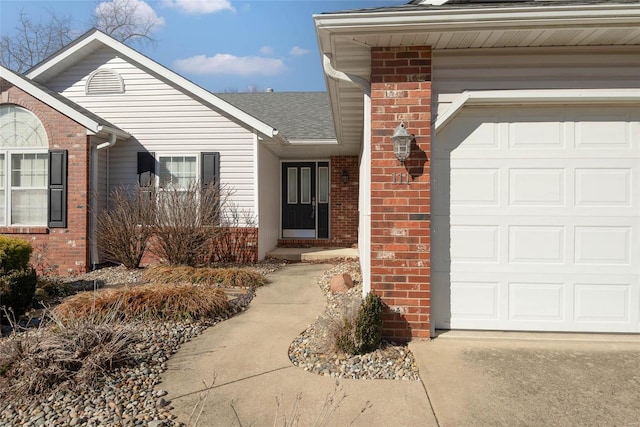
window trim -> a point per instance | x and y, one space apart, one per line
159 155
9 152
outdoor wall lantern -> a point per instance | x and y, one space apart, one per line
345 176
401 142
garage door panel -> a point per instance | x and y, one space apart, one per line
535 301
602 302
540 232
603 187
604 245
537 187
537 244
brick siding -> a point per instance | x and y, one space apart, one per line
400 213
343 230
61 251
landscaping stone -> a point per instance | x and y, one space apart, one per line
340 283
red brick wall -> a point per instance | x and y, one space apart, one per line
343 229
60 250
400 213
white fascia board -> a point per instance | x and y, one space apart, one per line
479 18
198 92
537 97
91 125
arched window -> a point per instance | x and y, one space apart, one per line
104 81
24 162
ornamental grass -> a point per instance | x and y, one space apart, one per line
152 301
232 277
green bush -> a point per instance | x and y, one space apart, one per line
51 290
369 324
14 253
17 289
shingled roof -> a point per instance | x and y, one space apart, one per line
468 4
296 115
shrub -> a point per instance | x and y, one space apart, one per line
187 221
14 253
237 237
51 290
78 353
157 301
124 230
368 329
357 329
17 289
223 277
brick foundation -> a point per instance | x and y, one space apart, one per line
61 251
400 213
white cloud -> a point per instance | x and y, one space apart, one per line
298 51
224 63
266 50
111 14
197 7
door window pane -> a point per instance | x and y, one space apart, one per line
323 185
292 186
305 185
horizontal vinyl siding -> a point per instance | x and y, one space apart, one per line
534 68
161 119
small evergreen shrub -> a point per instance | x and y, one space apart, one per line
14 253
51 290
17 289
369 324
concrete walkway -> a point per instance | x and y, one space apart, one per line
246 359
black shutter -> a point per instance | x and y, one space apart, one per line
210 173
57 189
146 168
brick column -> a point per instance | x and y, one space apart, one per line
400 213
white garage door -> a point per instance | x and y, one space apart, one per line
536 220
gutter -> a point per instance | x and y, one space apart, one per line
113 137
448 19
364 205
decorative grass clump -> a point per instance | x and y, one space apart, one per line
232 277
153 301
76 353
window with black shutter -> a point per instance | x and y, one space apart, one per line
57 215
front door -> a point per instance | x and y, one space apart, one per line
300 204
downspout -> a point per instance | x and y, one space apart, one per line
364 205
94 195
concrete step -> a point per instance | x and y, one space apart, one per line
312 254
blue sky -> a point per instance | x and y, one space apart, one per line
221 44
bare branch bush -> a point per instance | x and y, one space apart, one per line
187 221
124 230
237 236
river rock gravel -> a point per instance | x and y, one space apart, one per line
133 396
312 350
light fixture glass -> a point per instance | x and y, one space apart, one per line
401 142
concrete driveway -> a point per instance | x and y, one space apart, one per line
512 379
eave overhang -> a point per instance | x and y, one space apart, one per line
348 37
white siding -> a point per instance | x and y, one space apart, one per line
161 119
456 71
269 190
